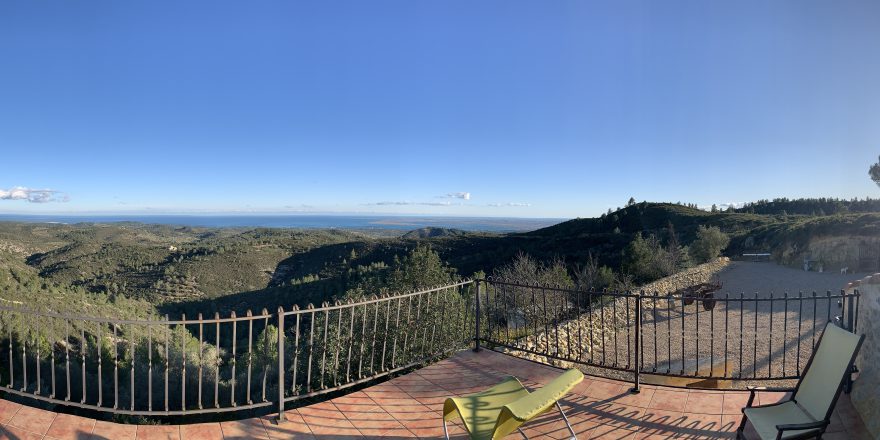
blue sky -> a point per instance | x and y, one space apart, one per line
536 109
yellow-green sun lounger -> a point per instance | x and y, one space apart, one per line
502 409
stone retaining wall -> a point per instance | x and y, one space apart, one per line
865 395
577 338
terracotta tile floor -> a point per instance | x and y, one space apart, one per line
409 407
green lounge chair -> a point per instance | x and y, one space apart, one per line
502 409
807 413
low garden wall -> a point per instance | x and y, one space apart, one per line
865 396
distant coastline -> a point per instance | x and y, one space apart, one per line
485 224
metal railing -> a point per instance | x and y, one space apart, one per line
731 337
167 367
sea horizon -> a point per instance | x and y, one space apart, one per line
297 220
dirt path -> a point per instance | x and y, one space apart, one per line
749 277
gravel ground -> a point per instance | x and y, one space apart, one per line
738 339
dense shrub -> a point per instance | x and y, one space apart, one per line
709 243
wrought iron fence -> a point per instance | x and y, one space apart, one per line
222 364
734 337
217 364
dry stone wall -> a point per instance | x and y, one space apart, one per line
604 323
865 395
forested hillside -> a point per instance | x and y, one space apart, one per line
140 267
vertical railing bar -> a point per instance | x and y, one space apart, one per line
363 342
755 346
444 298
654 317
535 321
628 336
770 341
131 371
218 361
266 362
698 304
433 322
311 308
11 360
669 301
683 327
281 415
614 326
784 331
150 367
24 342
353 310
66 357
250 354
38 388
424 332
83 349
592 318
295 347
742 334
638 340
115 368
54 390
183 335
580 345
828 309
415 323
324 345
726 333
201 355
99 352
234 359
396 334
800 321
712 338
375 326
602 324
385 333
814 320
506 304
566 311
167 326
338 344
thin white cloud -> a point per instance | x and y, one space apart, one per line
508 204
33 195
457 195
406 203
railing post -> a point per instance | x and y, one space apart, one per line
849 303
477 316
280 364
638 344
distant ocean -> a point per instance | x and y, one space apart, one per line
488 224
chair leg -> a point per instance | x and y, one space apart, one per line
522 434
445 431
567 424
740 432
